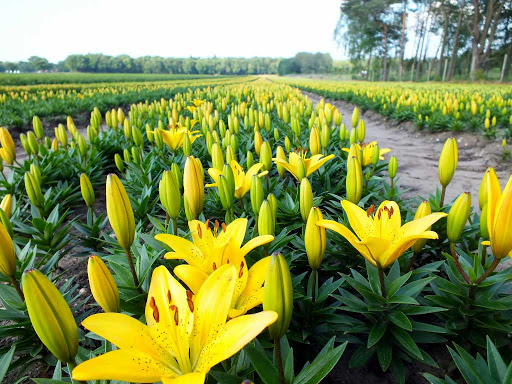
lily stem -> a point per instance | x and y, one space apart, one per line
277 347
132 268
411 263
17 287
484 255
315 277
175 226
457 264
443 192
167 218
382 284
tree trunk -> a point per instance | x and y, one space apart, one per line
455 41
368 64
417 48
402 41
385 69
445 37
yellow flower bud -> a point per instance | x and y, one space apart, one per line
484 229
33 189
273 204
258 140
499 220
266 219
375 155
6 205
266 156
170 194
288 144
337 117
120 212
280 168
193 183
55 145
256 194
305 198
301 168
488 178
119 162
423 210
138 140
354 180
457 217
87 190
353 136
314 141
355 117
50 315
250 160
278 295
7 254
8 150
102 284
38 127
448 161
315 239
361 131
217 157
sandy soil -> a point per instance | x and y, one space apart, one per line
418 153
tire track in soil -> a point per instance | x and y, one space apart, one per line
418 151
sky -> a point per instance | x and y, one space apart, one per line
55 29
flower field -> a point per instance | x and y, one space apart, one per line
434 106
229 230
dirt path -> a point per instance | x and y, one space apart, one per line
418 153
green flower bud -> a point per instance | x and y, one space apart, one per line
458 216
325 136
82 145
126 155
38 127
217 157
50 316
315 238
276 135
256 194
24 143
103 286
448 161
355 117
119 162
32 143
170 195
278 295
120 212
138 140
338 117
353 136
250 159
301 169
234 143
226 192
266 156
392 167
230 155
361 131
266 219
187 146
423 210
7 253
136 155
375 155
127 129
287 144
315 144
175 169
33 189
273 204
305 198
484 230
354 180
87 190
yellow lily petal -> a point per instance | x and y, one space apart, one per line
189 378
387 220
418 226
501 235
256 242
349 235
212 304
403 244
183 248
192 276
359 220
252 295
214 174
317 164
122 365
493 196
378 249
236 334
289 167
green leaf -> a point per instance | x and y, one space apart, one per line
406 341
373 277
376 333
434 380
225 378
49 381
288 368
361 356
385 355
5 361
397 284
400 319
465 363
497 366
321 366
263 366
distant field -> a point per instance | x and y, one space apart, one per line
13 79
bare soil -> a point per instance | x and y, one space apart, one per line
418 151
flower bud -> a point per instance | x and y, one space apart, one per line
61 135
325 136
87 190
102 284
24 143
287 144
276 135
32 143
136 155
159 140
484 229
7 254
6 205
281 170
8 150
120 212
488 180
226 192
55 145
353 136
119 162
33 189
217 157
38 127
448 161
423 210
338 117
266 219
50 315
258 140
457 217
169 193
187 145
305 198
343 132
266 156
375 155
354 181
355 117
256 194
138 140
127 129
361 131
126 155
392 167
175 169
250 160
301 169
315 238
193 184
273 204
314 141
278 295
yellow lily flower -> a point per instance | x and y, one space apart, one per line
198 102
212 249
242 179
184 337
174 136
367 150
382 239
310 165
191 109
499 217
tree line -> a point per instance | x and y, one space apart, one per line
98 63
474 37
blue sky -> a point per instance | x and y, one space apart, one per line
57 28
